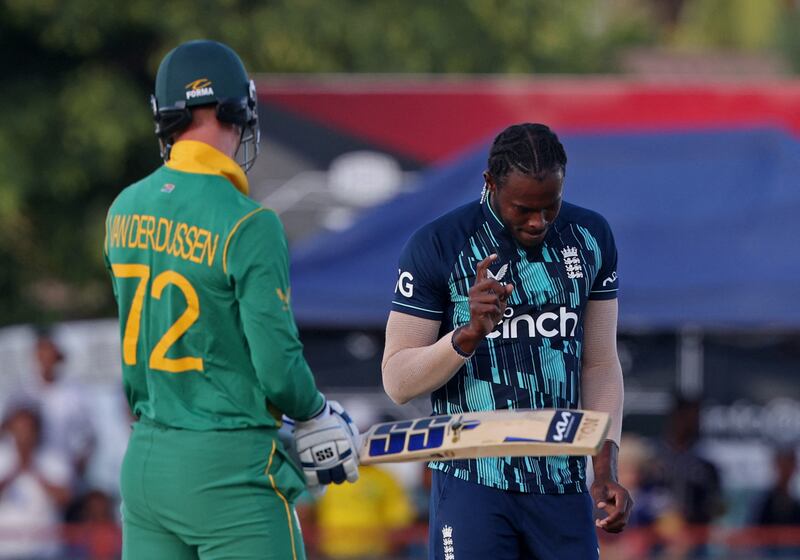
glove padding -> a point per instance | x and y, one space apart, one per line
286 437
328 446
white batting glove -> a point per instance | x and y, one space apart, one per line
328 446
286 437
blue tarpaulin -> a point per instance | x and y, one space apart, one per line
706 224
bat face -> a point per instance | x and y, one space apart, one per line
486 434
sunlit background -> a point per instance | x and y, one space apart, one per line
681 122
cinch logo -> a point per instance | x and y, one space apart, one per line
563 426
199 88
547 324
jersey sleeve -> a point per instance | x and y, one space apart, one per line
421 288
257 265
606 283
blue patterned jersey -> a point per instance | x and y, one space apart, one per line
532 359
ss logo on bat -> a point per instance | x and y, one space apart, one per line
426 433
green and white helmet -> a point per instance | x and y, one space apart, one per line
202 73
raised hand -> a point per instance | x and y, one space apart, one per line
487 302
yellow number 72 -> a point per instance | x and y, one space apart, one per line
158 356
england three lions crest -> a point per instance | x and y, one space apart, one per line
572 262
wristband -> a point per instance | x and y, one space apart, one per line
458 350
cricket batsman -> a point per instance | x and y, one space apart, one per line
211 358
511 302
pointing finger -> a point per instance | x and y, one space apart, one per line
483 266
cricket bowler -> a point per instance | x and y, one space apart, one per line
511 302
211 358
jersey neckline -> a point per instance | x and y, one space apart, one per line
192 156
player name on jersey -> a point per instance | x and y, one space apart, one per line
179 239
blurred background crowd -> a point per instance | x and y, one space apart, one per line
681 121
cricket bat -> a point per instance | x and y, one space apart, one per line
498 433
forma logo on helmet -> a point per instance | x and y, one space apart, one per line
200 74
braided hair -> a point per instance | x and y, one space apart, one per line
530 148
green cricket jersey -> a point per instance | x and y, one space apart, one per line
200 275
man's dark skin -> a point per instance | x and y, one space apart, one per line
528 206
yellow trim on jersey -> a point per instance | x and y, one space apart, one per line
281 496
192 156
230 236
271 455
105 237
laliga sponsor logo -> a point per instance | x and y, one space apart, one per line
547 324
199 88
404 283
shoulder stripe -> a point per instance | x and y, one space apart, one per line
230 236
415 307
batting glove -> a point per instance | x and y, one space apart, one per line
287 438
328 446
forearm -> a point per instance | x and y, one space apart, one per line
259 270
277 355
602 386
416 361
293 389
281 368
413 372
604 463
602 389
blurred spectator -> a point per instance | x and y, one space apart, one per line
95 533
361 520
66 422
34 487
635 456
691 482
779 506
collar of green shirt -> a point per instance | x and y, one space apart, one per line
192 156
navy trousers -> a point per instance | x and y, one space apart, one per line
474 522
